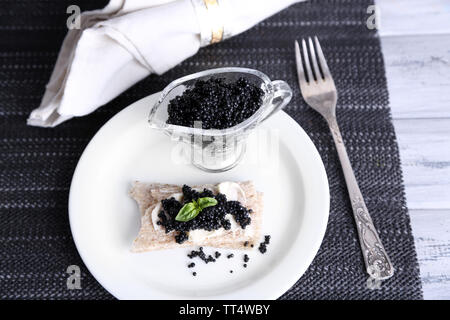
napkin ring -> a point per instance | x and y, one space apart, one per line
211 16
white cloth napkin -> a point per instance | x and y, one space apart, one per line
127 40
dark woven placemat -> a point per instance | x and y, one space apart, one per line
36 165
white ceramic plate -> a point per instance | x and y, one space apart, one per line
104 220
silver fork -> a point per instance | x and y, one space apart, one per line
318 90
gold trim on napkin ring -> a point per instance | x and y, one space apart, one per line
216 30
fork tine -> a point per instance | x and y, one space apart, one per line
322 61
314 60
298 59
307 66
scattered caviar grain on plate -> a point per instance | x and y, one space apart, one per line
262 248
202 255
191 265
217 254
246 258
263 245
230 256
194 273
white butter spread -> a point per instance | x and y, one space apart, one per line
155 217
232 191
200 234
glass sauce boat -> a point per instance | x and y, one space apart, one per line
218 150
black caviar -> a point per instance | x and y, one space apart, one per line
216 103
181 237
209 219
217 254
191 265
246 258
194 273
202 255
263 245
230 256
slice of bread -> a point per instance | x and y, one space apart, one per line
149 195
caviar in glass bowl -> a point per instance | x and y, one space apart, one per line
213 112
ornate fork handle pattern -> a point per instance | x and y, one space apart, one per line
376 259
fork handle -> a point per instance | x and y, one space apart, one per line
378 264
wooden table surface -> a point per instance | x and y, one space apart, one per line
415 38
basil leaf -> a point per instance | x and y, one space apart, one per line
206 202
197 206
188 212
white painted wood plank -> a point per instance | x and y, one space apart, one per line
431 230
418 75
425 154
415 37
413 17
